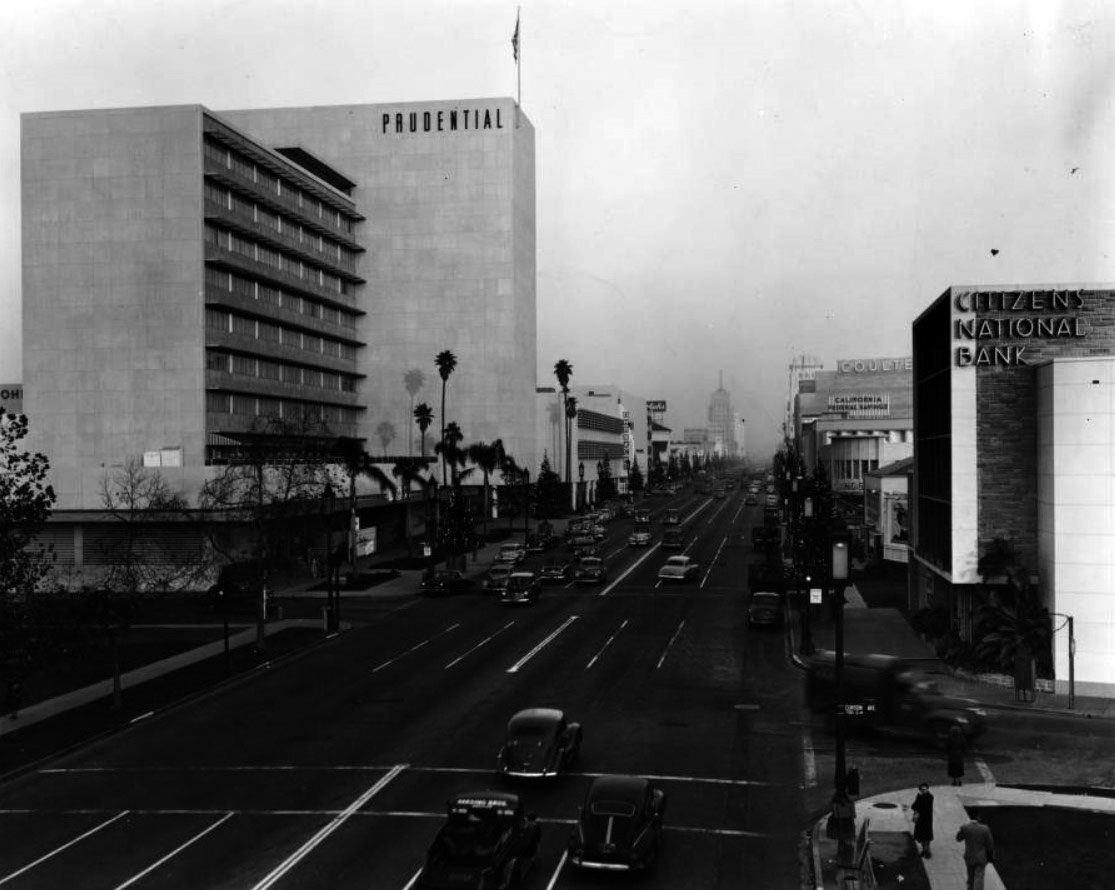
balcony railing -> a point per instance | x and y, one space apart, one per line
214 253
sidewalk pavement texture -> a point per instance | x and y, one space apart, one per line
400 587
885 630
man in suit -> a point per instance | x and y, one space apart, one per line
979 850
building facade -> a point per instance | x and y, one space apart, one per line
722 421
1013 424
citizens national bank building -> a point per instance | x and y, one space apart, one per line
187 272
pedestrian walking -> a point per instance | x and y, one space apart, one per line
979 850
923 819
956 746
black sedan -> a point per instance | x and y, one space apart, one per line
620 825
765 609
445 581
487 842
522 588
558 570
590 570
539 742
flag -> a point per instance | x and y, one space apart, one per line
515 39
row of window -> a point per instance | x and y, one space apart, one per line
277 260
231 160
228 322
249 366
852 469
592 420
284 409
277 223
274 296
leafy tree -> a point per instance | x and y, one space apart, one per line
563 371
446 363
605 483
488 458
386 433
1014 623
549 492
452 455
423 416
635 477
413 380
410 471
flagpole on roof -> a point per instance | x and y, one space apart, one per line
518 65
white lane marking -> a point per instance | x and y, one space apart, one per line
692 780
712 562
65 846
681 624
487 639
518 664
808 757
984 771
413 880
740 510
302 852
632 568
557 871
142 717
722 832
173 853
608 643
414 648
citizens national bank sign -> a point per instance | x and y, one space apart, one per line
1014 316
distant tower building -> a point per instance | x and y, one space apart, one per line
722 421
804 367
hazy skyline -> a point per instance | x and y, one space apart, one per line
720 185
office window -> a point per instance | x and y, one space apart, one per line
218 403
216 361
243 365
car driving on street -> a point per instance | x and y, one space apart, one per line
678 568
496 577
557 571
522 589
445 582
539 742
620 825
639 538
764 610
590 570
511 554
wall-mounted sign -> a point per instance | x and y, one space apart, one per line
874 365
11 398
860 404
444 121
656 406
1022 318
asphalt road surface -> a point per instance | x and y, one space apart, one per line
334 770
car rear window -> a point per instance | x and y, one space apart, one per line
613 808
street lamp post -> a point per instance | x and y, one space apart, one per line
806 615
329 500
1072 655
580 485
526 503
843 817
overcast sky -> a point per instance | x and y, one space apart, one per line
721 185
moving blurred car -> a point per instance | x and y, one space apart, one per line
672 517
487 842
560 571
445 582
599 532
620 825
538 543
751 500
590 570
672 539
772 500
578 542
539 742
764 610
522 589
639 538
496 577
678 568
511 554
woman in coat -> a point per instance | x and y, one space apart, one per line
955 748
923 818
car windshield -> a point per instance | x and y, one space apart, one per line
613 808
521 580
472 840
501 571
765 599
590 562
675 561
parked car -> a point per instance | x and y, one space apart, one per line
539 742
672 539
511 554
619 826
599 532
496 577
639 538
590 570
764 610
538 543
488 842
672 517
751 501
559 571
522 589
578 541
678 568
446 582
772 500
883 692
239 587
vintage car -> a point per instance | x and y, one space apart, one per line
673 539
496 577
511 554
640 537
539 742
578 542
751 500
678 568
672 517
599 532
522 589
487 841
558 570
445 581
590 570
620 825
765 609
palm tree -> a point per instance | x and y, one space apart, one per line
570 413
488 458
414 380
451 453
423 416
563 370
357 462
386 433
408 470
446 363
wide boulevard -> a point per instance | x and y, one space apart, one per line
333 770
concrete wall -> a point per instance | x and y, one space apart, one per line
450 263
1075 516
113 317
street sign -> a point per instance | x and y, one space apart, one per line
366 541
815 596
656 405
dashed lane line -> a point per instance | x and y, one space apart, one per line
414 648
302 852
607 643
712 562
630 569
518 664
666 651
557 871
65 846
483 642
154 865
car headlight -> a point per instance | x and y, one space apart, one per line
979 712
